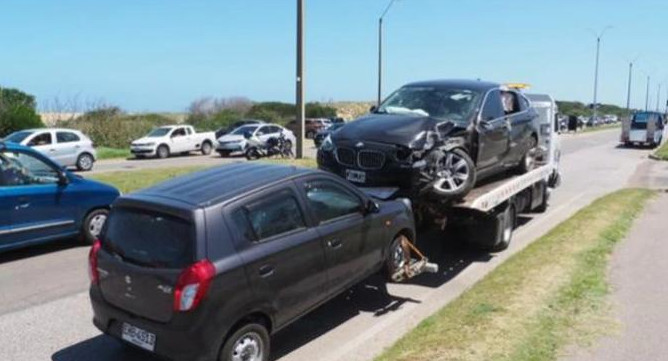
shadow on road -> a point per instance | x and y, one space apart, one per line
101 348
39 249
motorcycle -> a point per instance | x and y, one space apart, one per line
257 149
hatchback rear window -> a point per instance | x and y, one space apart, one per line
149 238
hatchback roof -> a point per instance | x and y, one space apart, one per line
478 85
219 184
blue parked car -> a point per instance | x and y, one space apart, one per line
41 202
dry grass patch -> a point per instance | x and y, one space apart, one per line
536 302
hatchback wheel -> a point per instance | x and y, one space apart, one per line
396 256
93 223
249 343
85 162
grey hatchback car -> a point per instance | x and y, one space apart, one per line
208 265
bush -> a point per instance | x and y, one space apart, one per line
221 119
111 127
17 111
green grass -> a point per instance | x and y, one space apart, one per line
130 181
111 153
551 294
662 152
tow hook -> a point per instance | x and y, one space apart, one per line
413 266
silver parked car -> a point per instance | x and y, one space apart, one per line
68 147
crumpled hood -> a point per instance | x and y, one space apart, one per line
386 128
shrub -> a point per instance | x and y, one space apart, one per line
17 111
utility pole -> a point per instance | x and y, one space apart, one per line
300 80
380 52
598 48
647 95
658 95
628 91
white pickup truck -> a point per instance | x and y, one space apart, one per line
173 139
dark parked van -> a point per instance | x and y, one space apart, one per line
208 265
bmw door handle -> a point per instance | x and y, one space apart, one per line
334 243
266 270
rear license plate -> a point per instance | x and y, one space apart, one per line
355 176
138 337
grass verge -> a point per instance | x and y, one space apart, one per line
130 181
111 153
662 152
548 295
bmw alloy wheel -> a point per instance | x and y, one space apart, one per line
452 173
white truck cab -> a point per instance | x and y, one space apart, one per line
173 139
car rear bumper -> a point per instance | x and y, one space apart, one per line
171 342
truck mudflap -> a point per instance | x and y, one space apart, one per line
415 263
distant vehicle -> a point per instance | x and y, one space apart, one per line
42 202
324 133
222 131
173 139
436 137
643 128
311 126
67 147
336 120
207 266
275 146
236 141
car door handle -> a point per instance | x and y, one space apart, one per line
23 203
266 270
334 243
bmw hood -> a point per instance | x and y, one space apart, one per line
386 128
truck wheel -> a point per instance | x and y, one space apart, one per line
453 172
93 223
248 343
528 160
542 207
505 228
396 257
162 152
206 148
85 162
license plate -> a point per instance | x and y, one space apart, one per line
138 337
355 176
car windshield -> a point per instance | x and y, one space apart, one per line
451 104
18 137
149 238
244 129
158 132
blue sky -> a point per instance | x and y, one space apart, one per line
159 55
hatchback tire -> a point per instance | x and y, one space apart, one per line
248 343
85 162
396 257
93 223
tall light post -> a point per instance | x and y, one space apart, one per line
658 95
628 90
647 95
598 48
300 80
380 51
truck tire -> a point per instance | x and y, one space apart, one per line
162 151
542 207
249 342
206 148
528 160
505 227
453 172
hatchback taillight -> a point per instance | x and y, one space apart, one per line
192 285
93 273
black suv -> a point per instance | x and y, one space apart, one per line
206 266
436 136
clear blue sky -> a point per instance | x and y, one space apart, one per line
160 55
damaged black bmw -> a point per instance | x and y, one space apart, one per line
436 137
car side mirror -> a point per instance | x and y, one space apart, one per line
371 207
63 180
373 109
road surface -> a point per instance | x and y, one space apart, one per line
45 313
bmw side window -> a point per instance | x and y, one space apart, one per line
17 169
329 201
66 137
270 217
40 139
492 109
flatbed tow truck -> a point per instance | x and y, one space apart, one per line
486 217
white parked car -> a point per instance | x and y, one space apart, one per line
68 147
235 141
173 139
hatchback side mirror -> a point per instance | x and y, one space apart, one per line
373 109
63 180
371 207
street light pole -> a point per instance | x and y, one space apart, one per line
658 95
300 80
647 95
628 91
598 48
380 52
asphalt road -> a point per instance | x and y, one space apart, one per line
45 314
193 159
